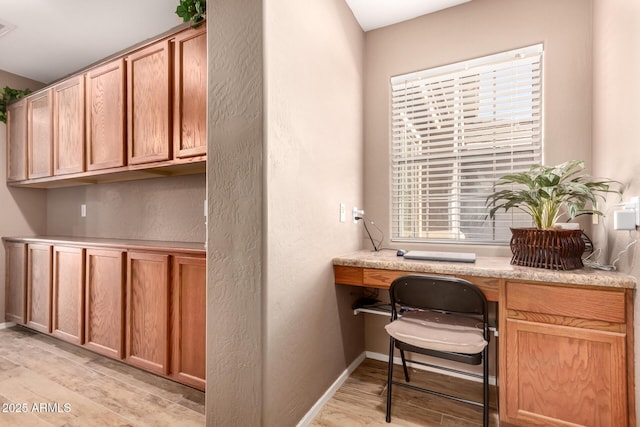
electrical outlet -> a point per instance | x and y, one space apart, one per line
343 212
357 213
83 210
635 201
624 219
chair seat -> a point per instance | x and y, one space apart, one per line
439 331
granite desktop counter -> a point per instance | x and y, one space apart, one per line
566 351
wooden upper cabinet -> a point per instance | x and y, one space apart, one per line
68 126
147 337
148 104
40 134
67 317
15 282
17 141
106 115
188 320
39 287
190 94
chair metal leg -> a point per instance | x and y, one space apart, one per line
390 378
485 367
404 366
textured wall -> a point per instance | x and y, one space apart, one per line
314 76
478 28
23 209
168 208
616 149
234 231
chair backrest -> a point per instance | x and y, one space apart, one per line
448 294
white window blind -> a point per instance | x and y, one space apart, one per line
455 130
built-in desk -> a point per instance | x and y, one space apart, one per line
566 354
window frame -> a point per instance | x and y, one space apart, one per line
499 234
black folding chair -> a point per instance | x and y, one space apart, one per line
444 317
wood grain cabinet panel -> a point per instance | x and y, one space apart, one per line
16 282
147 338
190 93
104 302
68 126
559 375
188 320
39 287
67 315
17 141
106 115
564 356
39 134
148 104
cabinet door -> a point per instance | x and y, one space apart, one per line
190 94
561 375
147 311
39 287
68 126
148 104
15 282
104 302
188 320
40 134
105 113
17 141
68 292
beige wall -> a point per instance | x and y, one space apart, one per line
475 29
616 127
235 230
314 77
23 210
168 208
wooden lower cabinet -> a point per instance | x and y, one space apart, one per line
104 302
16 282
564 359
147 308
67 317
39 287
188 320
147 320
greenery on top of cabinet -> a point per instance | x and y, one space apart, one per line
7 95
192 10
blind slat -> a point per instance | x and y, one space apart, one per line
454 131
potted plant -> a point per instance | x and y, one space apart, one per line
8 95
192 10
546 193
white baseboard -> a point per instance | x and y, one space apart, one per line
397 361
309 416
6 325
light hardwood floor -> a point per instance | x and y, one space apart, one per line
361 401
74 387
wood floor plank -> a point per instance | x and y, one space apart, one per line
361 400
37 369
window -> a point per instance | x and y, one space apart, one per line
455 130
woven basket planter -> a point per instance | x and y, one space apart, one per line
552 249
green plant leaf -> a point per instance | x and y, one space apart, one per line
7 96
192 10
547 192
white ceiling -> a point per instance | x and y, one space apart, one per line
54 38
372 14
